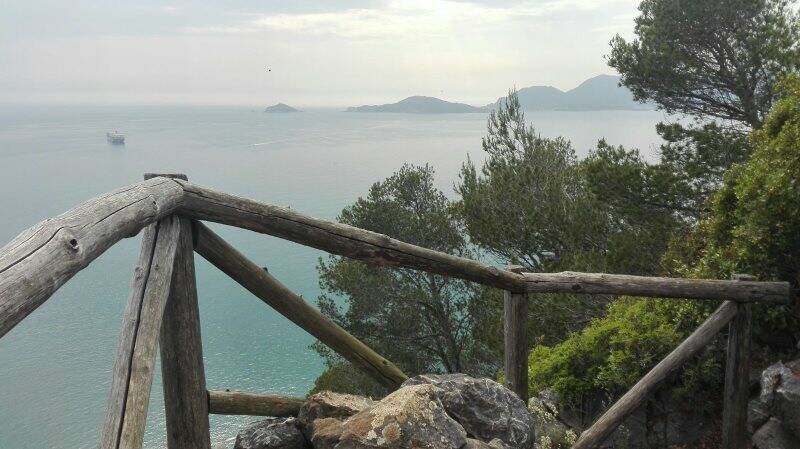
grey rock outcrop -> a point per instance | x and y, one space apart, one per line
411 417
486 409
273 433
774 416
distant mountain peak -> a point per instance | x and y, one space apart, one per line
601 92
280 108
419 104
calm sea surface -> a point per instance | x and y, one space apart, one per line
55 366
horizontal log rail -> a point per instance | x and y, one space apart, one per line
206 204
659 287
253 404
45 256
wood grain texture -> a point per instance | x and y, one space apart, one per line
259 282
737 377
594 436
253 404
206 204
515 340
182 371
659 287
126 412
42 258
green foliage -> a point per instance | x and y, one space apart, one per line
697 158
420 321
756 228
710 58
528 203
614 352
753 227
647 203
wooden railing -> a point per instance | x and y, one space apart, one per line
162 305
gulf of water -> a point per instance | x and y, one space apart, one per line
55 366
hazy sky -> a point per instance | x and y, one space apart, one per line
320 52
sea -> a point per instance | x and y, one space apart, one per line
55 366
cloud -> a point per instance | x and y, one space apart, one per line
410 18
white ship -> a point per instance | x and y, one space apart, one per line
115 138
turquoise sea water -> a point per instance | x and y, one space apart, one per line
55 366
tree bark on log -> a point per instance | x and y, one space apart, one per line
659 287
182 371
737 377
594 436
126 412
206 204
255 279
45 256
252 404
515 340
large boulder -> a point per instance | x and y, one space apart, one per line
272 433
411 417
774 416
486 409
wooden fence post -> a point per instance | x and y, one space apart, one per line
737 376
182 371
515 314
126 413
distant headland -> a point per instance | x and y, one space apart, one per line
280 108
598 93
420 105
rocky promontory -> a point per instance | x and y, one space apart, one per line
451 411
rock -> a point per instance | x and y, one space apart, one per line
550 431
325 433
328 404
486 409
478 444
773 435
411 417
760 409
272 433
787 400
775 415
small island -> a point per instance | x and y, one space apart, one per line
420 105
280 108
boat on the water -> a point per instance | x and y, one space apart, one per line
115 138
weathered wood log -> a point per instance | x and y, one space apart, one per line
182 371
737 377
255 279
658 287
126 412
206 204
253 404
515 323
594 436
42 258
